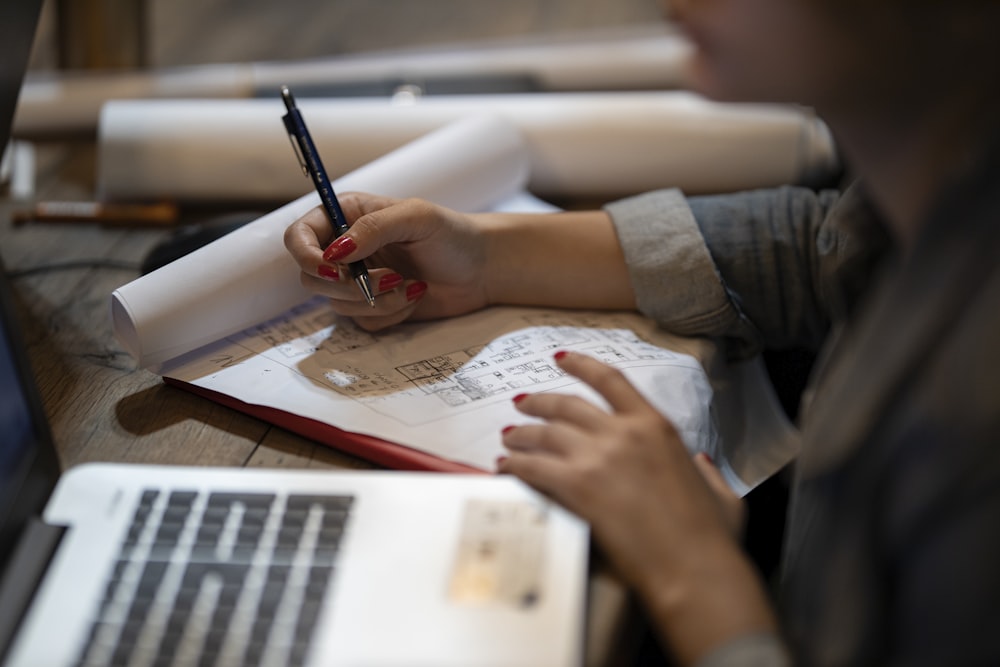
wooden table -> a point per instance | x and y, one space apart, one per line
101 407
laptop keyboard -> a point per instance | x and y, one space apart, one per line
221 579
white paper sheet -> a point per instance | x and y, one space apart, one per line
443 387
248 276
446 387
589 145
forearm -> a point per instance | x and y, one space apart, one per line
570 260
718 599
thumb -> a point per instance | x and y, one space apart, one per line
733 508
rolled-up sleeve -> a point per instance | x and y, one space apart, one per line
674 277
764 268
758 650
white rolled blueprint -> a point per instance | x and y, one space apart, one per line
638 58
579 145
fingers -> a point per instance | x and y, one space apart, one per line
582 414
336 281
543 473
552 438
732 506
712 475
609 382
399 222
540 472
323 259
305 238
562 408
309 237
392 304
357 204
391 307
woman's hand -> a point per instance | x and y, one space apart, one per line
654 511
607 466
424 261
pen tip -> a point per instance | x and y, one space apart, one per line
366 288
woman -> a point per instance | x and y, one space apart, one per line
893 539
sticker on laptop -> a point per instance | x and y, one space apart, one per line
500 554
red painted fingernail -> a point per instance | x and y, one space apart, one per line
561 354
415 290
507 429
389 282
339 249
519 398
501 460
328 272
708 458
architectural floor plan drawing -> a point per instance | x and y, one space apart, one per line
424 379
445 386
518 362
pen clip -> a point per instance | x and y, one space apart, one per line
287 118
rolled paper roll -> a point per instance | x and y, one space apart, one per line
588 145
638 58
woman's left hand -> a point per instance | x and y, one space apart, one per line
670 531
627 472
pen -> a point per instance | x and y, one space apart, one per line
308 156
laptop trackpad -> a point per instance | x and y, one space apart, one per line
500 554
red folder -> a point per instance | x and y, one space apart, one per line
389 454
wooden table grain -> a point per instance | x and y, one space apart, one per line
100 405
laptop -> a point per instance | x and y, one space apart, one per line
124 564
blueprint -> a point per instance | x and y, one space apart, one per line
445 387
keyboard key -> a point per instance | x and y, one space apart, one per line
207 597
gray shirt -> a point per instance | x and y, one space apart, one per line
892 551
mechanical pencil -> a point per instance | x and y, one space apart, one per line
308 156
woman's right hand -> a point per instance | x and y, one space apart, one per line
424 261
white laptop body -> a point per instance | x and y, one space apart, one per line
405 589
